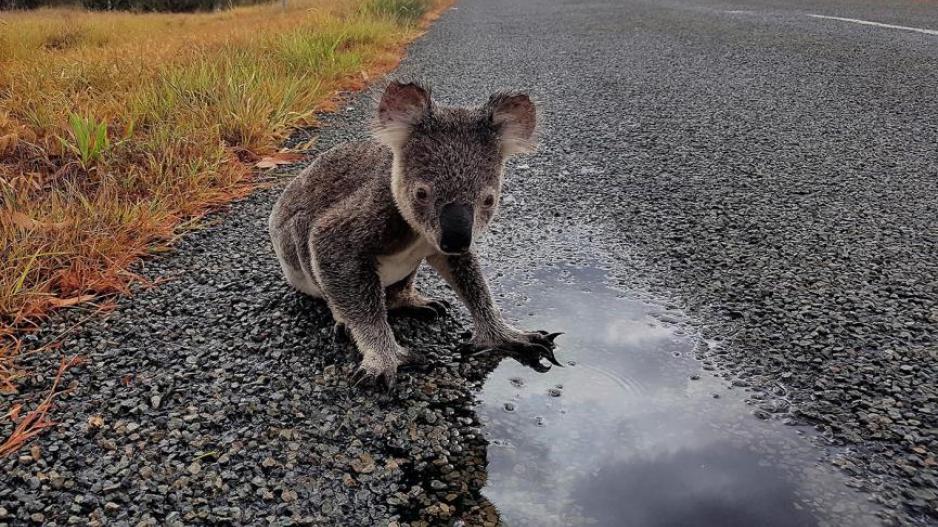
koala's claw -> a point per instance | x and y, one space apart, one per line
367 377
440 306
531 353
429 310
545 341
340 334
550 336
413 360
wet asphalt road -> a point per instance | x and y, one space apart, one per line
775 175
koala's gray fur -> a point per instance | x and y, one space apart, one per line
355 225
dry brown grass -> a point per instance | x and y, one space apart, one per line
34 422
118 128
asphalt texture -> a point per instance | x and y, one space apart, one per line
772 174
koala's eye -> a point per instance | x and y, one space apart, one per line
488 201
422 194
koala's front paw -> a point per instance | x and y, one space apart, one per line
527 348
381 368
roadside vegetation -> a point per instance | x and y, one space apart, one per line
119 130
132 5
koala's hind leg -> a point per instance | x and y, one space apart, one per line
403 298
293 255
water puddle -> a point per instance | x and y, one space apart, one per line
634 433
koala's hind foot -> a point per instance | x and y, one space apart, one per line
419 306
404 299
341 334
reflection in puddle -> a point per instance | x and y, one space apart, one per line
631 434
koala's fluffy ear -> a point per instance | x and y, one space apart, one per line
515 118
401 106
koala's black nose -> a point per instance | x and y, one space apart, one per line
456 227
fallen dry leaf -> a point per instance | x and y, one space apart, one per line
95 421
365 464
23 221
280 158
66 302
35 452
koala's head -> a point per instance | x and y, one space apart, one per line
447 174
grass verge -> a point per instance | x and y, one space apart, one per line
117 129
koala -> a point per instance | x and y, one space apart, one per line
355 225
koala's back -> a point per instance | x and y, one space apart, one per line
349 177
333 177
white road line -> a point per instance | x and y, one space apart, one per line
868 23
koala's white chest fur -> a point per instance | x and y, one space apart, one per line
393 268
